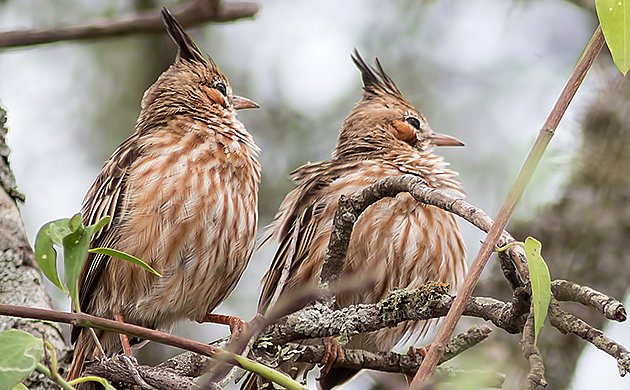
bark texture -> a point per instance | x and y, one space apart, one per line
20 279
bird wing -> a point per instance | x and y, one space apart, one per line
105 197
295 227
294 247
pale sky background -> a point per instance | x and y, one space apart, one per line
486 71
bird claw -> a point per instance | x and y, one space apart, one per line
131 363
332 353
124 339
127 359
414 352
236 324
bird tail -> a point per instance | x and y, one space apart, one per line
336 377
83 351
250 382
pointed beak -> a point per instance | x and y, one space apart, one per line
241 103
438 139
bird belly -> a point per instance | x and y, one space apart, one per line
397 242
403 244
195 225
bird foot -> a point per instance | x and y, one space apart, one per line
236 324
131 364
332 353
414 352
124 339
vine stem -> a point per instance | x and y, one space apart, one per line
545 134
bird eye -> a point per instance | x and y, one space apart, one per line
413 121
221 88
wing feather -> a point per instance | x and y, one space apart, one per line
295 227
105 197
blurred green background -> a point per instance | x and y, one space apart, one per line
485 71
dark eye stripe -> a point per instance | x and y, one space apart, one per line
413 121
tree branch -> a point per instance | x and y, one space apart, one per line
86 320
591 51
350 209
89 321
169 375
384 361
536 376
612 309
319 320
117 371
190 14
568 323
429 301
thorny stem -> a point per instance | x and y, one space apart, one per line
518 188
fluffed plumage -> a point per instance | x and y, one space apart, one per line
182 192
399 242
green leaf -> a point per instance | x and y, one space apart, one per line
75 252
45 252
614 17
125 256
58 230
75 247
19 354
541 283
75 222
19 386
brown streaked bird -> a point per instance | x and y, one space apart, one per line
400 242
182 192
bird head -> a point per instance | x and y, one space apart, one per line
383 120
193 82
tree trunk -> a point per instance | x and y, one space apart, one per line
20 278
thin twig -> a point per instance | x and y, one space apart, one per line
189 14
89 321
611 308
568 323
544 137
536 376
465 341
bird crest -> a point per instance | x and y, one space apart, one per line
375 81
187 50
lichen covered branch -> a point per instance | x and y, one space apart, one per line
190 365
568 323
536 376
116 371
611 308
